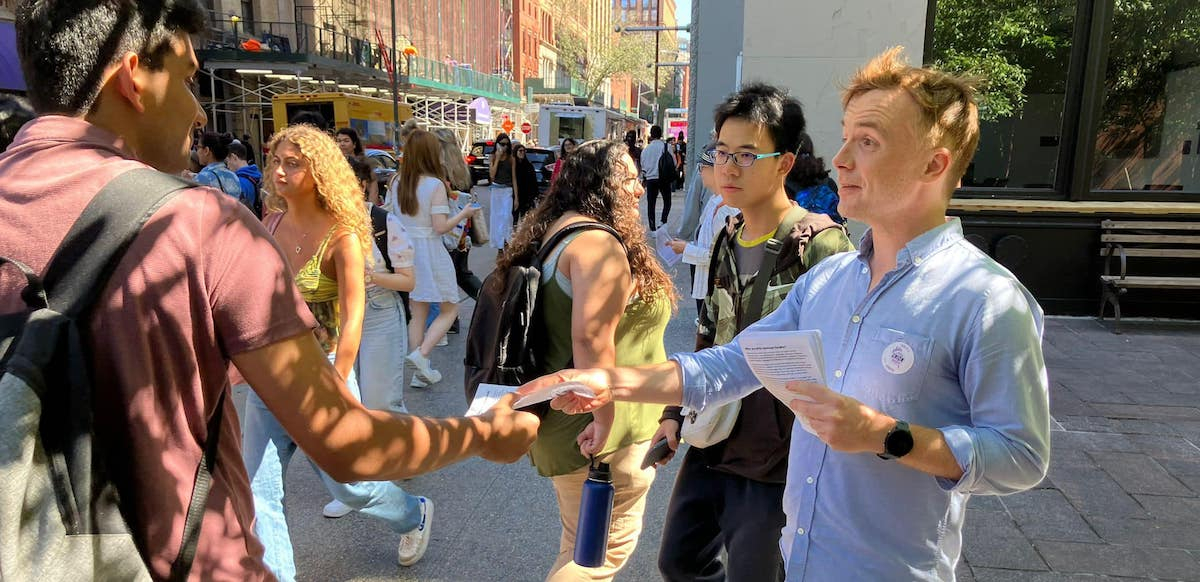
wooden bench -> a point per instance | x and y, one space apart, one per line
1125 239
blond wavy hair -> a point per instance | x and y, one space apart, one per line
338 191
949 114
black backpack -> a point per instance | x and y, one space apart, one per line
500 346
379 225
257 206
56 497
666 164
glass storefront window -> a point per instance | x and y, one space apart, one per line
1149 131
1021 51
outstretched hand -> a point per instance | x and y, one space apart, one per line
572 403
842 422
509 433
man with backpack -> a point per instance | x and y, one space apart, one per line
124 477
248 175
729 492
658 168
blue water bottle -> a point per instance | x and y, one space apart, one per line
595 513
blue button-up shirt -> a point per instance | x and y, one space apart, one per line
949 340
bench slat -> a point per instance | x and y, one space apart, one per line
1154 282
1147 224
1151 238
1175 253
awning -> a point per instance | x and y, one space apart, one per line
11 78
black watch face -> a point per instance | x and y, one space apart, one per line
899 442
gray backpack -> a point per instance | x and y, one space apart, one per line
60 517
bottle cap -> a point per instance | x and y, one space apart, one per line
600 473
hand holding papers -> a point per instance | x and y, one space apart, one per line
553 391
779 357
486 396
662 241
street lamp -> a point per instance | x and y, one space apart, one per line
235 19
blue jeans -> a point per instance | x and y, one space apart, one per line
380 363
268 449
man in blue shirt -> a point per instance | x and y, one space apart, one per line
937 388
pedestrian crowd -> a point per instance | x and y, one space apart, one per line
302 272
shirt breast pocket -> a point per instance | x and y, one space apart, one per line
902 361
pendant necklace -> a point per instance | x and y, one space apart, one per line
303 237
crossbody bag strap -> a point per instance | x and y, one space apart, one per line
766 271
199 502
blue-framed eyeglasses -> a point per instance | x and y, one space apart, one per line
741 159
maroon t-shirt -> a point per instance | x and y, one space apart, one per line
202 282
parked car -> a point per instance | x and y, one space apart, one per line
384 166
543 165
477 160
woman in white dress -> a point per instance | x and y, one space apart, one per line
418 197
503 171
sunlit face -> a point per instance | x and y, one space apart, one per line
630 184
164 129
292 172
345 144
880 160
748 187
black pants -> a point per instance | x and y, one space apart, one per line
712 510
467 281
653 189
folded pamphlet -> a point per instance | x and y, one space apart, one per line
779 357
551 392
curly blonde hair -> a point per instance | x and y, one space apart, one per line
591 185
338 191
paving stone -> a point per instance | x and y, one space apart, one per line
1087 423
1092 491
1138 473
1151 533
998 575
1093 441
1045 514
1173 509
1065 402
1132 426
1161 398
996 542
1167 447
1192 387
1114 560
963 572
1147 412
1095 390
984 503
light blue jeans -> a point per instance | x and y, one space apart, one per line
380 363
268 449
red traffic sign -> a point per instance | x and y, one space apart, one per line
507 125
526 127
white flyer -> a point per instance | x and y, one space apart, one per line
486 397
554 391
662 240
779 357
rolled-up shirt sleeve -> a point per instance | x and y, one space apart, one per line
720 374
1007 447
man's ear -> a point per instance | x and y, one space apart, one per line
937 166
786 162
128 81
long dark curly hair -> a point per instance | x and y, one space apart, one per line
590 183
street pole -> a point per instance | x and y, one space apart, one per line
657 37
395 88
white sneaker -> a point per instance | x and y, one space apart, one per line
335 509
442 342
422 368
418 383
414 543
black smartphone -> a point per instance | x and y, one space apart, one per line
656 453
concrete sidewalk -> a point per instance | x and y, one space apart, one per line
1123 495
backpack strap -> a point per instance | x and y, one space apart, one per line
87 256
195 512
766 270
544 249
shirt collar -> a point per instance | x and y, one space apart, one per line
215 166
917 249
61 128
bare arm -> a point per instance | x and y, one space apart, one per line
399 280
601 284
308 397
492 167
350 273
442 224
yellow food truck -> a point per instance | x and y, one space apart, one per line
371 117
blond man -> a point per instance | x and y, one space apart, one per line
936 383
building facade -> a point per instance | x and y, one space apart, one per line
1086 121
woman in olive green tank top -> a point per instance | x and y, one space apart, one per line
606 301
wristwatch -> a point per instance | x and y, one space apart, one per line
898 442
